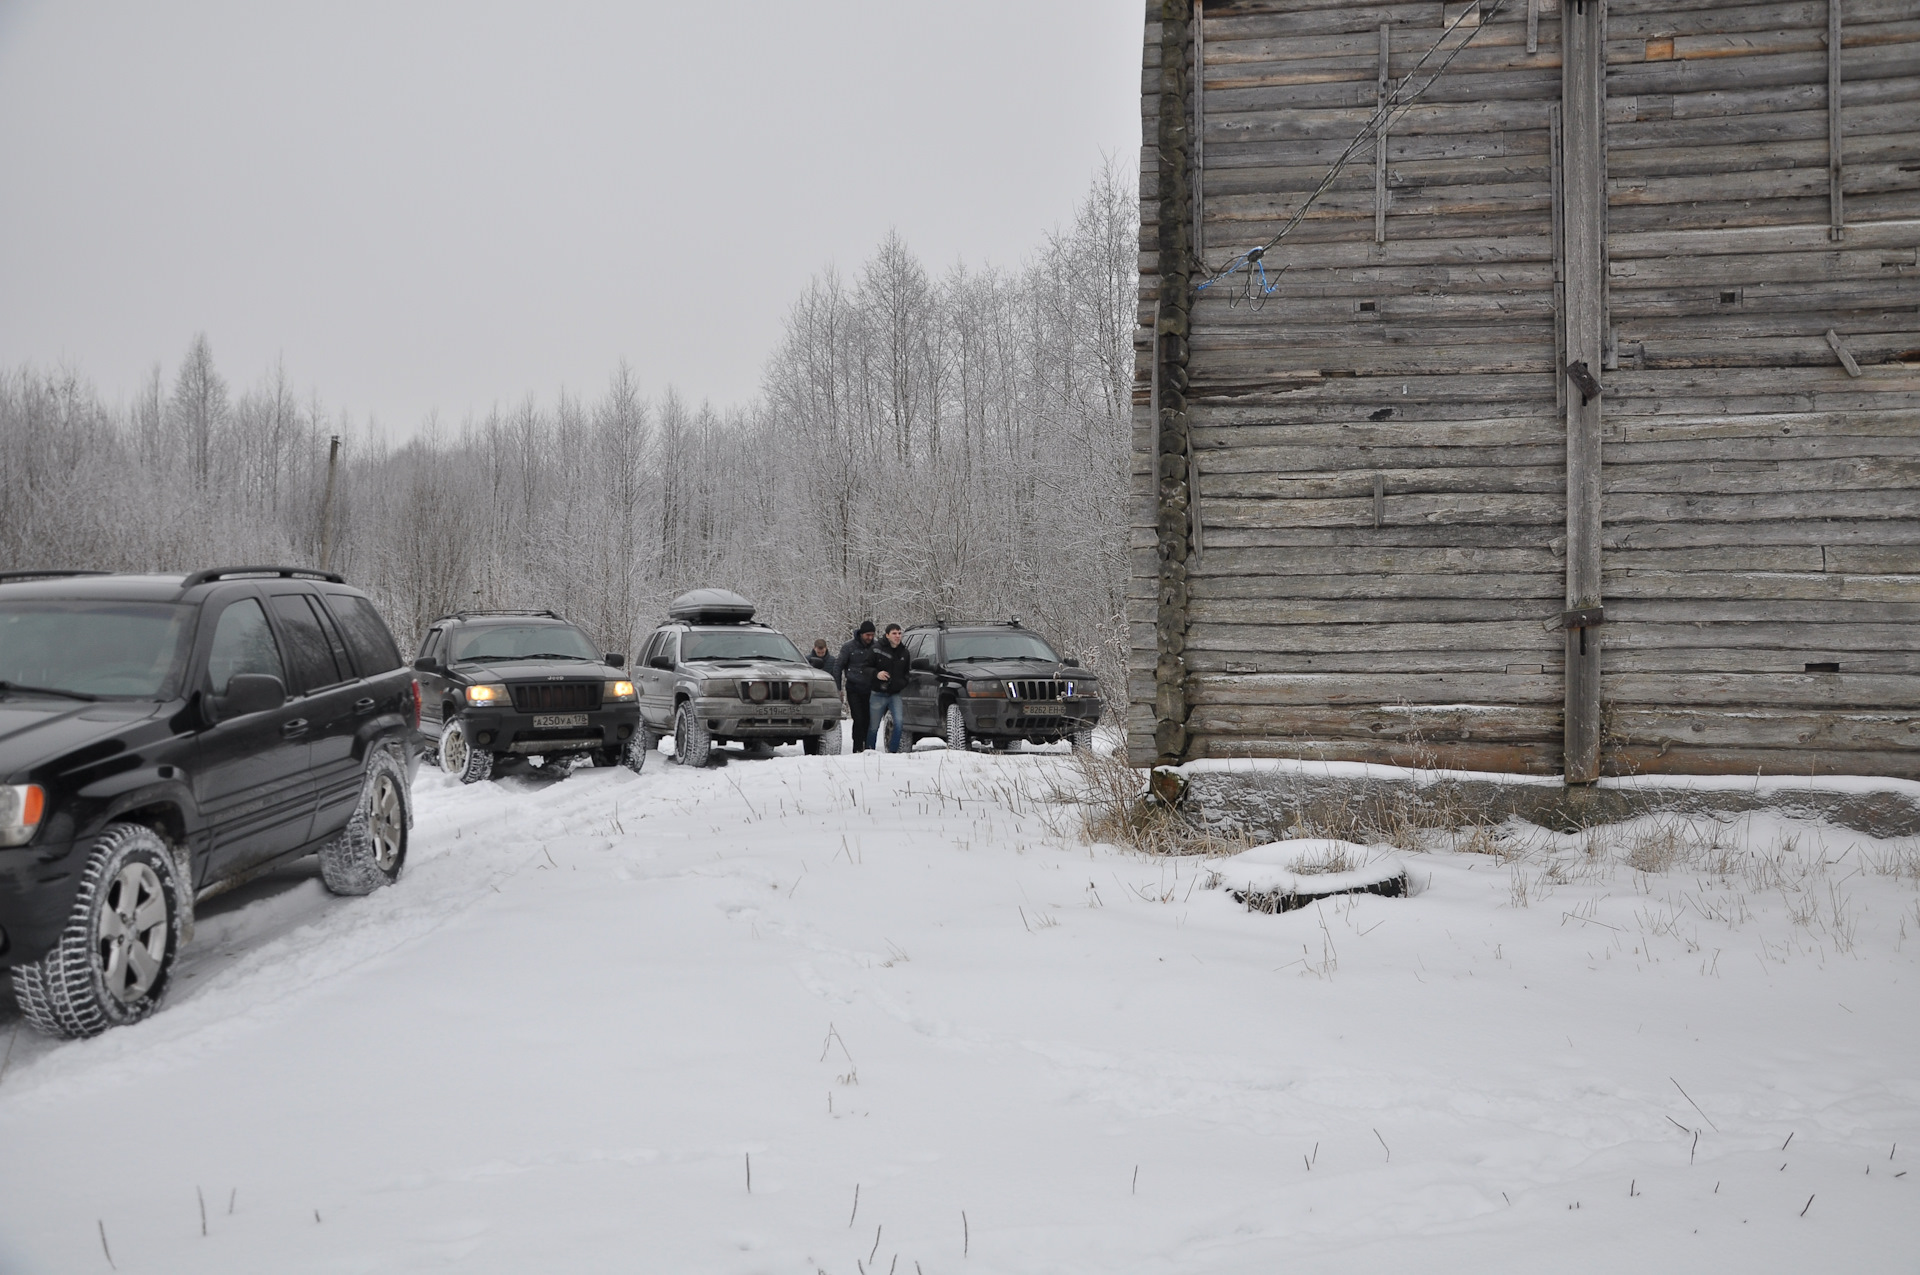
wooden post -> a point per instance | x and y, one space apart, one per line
1199 134
1172 325
1380 144
326 507
1836 160
1584 208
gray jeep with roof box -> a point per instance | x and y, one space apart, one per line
711 675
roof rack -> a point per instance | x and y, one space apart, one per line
48 574
223 573
942 622
477 612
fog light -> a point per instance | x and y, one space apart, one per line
484 737
799 692
625 731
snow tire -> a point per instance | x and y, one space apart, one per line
372 849
1083 740
825 744
459 758
692 744
639 748
105 970
956 731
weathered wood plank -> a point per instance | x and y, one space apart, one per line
1525 759
1330 689
1863 691
1492 724
1762 728
1666 760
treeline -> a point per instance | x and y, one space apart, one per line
951 444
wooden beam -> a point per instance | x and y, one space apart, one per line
1380 142
1836 160
1199 134
1584 211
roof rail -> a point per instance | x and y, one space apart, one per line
222 573
49 573
941 622
480 611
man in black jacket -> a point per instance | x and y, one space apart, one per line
821 658
890 665
857 680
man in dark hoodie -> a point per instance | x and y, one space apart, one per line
890 666
857 680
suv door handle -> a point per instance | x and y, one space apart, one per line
294 728
363 705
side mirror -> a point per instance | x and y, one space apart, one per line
923 664
1071 662
661 661
249 693
616 660
426 664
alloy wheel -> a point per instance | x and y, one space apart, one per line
133 931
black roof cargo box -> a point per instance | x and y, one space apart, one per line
711 606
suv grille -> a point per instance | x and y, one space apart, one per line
555 697
1037 688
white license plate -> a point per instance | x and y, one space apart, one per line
558 721
1042 710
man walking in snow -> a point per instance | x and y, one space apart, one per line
891 666
821 659
857 681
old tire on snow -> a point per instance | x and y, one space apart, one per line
825 744
459 758
113 959
1083 740
692 744
372 849
956 729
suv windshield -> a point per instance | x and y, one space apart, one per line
521 642
87 649
1007 645
744 644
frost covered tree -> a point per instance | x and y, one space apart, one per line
920 444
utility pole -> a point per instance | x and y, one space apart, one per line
326 506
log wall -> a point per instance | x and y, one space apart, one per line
1376 565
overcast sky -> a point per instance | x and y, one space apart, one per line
446 206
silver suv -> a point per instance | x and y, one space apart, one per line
711 675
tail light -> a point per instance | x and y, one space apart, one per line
416 703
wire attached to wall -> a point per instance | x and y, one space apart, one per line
1255 285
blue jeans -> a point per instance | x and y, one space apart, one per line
878 704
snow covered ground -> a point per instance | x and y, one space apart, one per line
942 1034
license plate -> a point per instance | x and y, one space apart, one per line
1042 710
558 721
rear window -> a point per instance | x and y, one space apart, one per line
133 650
367 635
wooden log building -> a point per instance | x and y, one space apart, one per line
1376 516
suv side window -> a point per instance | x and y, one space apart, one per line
242 643
307 648
366 633
917 647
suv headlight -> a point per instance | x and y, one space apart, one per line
986 690
488 694
617 692
21 808
799 692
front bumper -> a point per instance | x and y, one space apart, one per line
37 887
1037 720
507 730
743 719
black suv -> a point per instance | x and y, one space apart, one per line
164 738
526 686
993 683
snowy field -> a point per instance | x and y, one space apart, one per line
890 1014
